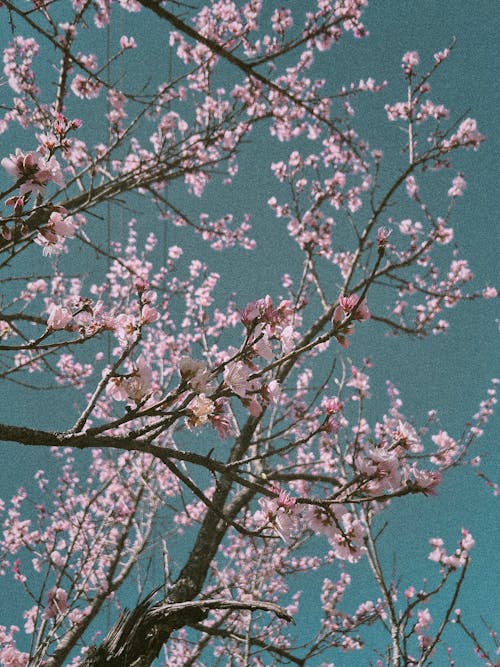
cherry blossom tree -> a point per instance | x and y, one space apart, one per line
213 453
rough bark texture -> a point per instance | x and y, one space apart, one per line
138 636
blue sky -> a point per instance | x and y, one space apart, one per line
450 372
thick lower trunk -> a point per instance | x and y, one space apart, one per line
138 636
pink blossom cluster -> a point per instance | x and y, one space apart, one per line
280 512
467 136
75 532
9 654
32 171
18 59
458 558
135 386
350 309
344 531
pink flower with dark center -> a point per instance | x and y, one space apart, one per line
382 236
196 374
405 436
350 305
331 405
125 327
201 408
32 171
117 389
85 88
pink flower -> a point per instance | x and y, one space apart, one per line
441 55
61 225
280 512
348 543
282 20
59 318
57 602
139 382
174 252
274 391
116 389
490 293
411 187
458 186
11 657
405 436
424 620
125 327
86 89
201 408
262 310
409 61
458 558
149 314
447 448
410 592
467 542
426 480
195 373
382 236
437 551
250 313
384 469
350 305
287 338
467 136
253 407
32 170
236 376
127 42
50 242
31 615
263 346
220 420
324 522
331 405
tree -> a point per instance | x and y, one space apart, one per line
229 449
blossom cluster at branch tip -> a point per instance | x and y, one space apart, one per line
458 558
349 309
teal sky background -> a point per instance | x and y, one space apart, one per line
450 372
